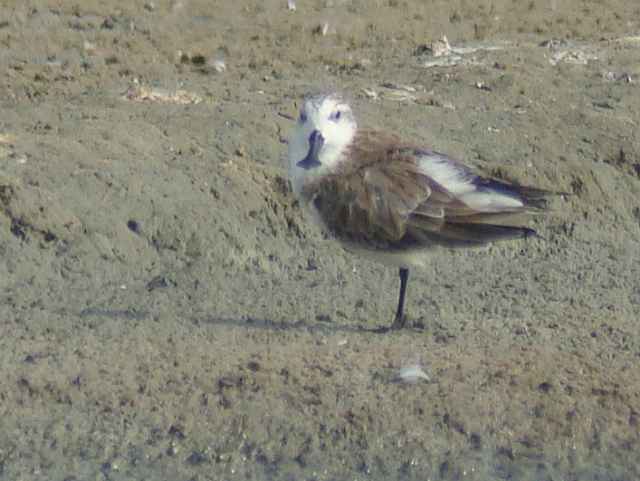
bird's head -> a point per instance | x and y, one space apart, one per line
324 129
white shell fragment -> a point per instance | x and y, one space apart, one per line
441 48
411 374
617 77
370 93
291 5
442 54
140 93
219 65
575 57
218 60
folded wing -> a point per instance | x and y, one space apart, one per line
476 210
394 196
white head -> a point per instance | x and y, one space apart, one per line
318 142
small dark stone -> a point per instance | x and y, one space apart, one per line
527 442
133 226
49 237
224 402
443 338
363 468
158 282
29 359
603 105
253 366
108 23
196 458
6 194
261 458
622 156
422 49
171 451
504 451
323 318
17 229
176 431
230 381
247 449
198 59
444 469
300 459
476 441
545 387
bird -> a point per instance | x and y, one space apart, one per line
393 200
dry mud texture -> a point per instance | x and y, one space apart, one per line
167 313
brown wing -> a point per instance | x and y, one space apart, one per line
478 211
368 205
384 198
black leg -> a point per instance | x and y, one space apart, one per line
399 321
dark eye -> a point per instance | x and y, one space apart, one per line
303 118
335 116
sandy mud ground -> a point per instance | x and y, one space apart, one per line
167 313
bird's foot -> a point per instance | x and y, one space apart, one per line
398 323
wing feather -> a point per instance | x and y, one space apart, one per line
391 195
